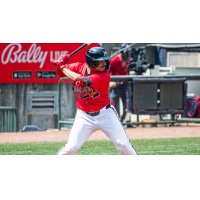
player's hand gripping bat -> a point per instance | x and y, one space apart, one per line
63 59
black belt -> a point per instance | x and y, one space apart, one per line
93 114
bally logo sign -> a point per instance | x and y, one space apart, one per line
20 61
13 53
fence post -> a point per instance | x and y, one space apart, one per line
12 119
59 101
16 120
2 120
6 121
15 116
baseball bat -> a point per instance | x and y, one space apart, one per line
77 50
83 46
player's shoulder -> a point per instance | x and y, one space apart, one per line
106 73
104 76
115 59
102 79
80 66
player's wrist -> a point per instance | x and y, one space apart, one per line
62 67
62 60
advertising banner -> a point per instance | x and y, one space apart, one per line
33 62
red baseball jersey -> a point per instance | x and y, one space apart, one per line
92 91
117 68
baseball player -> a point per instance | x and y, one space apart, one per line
119 66
95 112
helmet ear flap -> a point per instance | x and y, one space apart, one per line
91 62
107 64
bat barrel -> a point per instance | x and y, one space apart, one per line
83 46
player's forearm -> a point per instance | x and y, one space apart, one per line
71 75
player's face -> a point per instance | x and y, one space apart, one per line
102 66
125 54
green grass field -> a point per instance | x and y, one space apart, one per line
173 146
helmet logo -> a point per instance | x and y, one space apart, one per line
105 53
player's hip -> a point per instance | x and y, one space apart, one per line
95 115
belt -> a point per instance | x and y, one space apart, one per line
93 114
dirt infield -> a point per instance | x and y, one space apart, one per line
132 133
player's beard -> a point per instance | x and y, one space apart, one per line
124 57
104 69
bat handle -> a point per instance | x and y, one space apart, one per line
83 46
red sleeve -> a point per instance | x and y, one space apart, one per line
59 72
73 67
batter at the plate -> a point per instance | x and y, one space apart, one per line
95 112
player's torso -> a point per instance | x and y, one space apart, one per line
92 99
118 66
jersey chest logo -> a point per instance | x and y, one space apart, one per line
84 88
86 92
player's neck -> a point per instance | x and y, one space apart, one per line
88 70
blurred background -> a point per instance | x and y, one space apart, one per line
29 84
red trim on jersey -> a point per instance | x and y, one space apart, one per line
123 127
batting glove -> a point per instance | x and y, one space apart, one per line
61 61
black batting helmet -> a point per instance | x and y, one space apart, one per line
96 54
